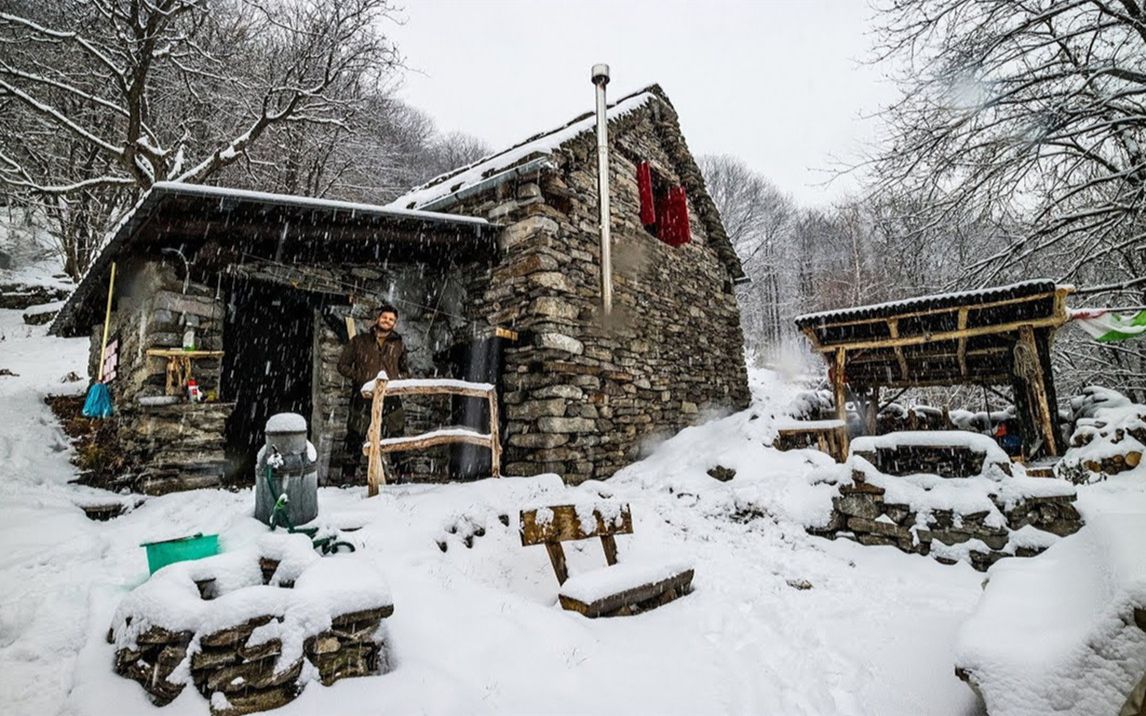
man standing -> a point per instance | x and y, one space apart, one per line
362 358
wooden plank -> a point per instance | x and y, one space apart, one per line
962 343
557 559
564 524
439 390
351 327
869 358
632 600
893 330
179 353
428 440
934 381
943 336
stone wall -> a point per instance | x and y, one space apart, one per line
862 513
582 394
168 448
238 678
430 302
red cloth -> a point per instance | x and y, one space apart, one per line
645 189
673 228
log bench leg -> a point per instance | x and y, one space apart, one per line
557 559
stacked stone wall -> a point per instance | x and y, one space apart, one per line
860 512
175 447
584 394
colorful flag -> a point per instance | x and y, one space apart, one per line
1108 327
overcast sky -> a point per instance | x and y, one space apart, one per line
778 83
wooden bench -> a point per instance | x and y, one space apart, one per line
829 436
615 590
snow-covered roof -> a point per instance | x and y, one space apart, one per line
200 211
941 300
227 193
540 144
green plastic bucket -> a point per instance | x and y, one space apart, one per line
197 546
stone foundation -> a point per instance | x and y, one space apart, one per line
582 393
861 513
240 679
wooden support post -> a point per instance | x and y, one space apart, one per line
1036 385
867 404
963 342
376 471
893 332
839 388
494 436
609 544
557 559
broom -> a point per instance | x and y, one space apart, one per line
98 402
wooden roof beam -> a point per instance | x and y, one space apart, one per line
1052 321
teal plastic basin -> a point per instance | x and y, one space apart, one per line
197 546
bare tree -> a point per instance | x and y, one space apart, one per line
1028 118
757 218
99 99
1032 114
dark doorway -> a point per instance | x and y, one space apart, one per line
268 338
479 361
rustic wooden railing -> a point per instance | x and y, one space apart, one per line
382 387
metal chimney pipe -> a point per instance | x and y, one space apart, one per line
600 79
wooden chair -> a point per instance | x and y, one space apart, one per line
615 590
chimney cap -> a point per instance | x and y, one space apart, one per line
601 74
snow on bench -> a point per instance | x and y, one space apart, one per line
609 589
616 589
1063 632
441 436
414 386
974 442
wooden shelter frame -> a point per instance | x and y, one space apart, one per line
1021 331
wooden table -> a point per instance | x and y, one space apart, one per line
179 365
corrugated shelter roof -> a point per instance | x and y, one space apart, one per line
946 339
891 309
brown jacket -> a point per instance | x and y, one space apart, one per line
362 358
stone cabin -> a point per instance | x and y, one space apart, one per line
494 268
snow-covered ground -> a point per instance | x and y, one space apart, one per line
478 630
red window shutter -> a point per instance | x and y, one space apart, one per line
645 189
674 228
